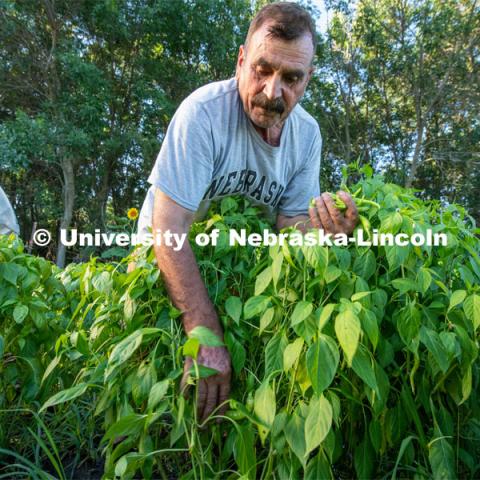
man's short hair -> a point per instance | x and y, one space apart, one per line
289 22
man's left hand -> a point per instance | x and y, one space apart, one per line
327 216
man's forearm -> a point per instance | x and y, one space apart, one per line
301 222
186 288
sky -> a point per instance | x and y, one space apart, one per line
322 21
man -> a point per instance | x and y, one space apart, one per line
8 220
246 135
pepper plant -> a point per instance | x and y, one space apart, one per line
347 361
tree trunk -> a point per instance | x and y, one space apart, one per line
68 202
416 155
420 120
101 196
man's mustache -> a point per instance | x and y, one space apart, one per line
276 105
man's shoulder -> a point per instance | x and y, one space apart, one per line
214 92
304 121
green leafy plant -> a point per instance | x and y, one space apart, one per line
347 361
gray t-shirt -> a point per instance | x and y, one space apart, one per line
212 150
8 220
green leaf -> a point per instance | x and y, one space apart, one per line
80 342
255 305
157 393
332 274
359 296
347 328
322 362
244 452
424 280
404 285
343 256
391 223
127 464
274 353
191 347
265 407
466 385
376 435
10 272
292 354
302 310
65 396
203 371
123 351
364 367
2 346
318 468
408 326
471 307
20 312
129 308
227 204
370 326
324 314
295 435
51 366
277 267
397 256
142 382
457 298
263 280
435 346
365 265
237 352
412 411
364 459
114 252
129 425
103 283
317 257
266 319
205 336
441 457
401 451
233 307
317 423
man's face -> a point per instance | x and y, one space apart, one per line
272 76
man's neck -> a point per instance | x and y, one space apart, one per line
271 135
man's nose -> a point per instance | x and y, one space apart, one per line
273 88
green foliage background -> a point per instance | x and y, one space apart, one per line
347 362
87 89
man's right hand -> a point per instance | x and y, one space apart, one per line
213 390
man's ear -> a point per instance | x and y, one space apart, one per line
240 59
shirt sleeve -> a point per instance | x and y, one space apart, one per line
8 220
184 166
305 184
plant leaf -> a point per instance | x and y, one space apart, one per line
322 362
65 396
233 307
347 328
441 459
205 336
302 310
317 423
255 305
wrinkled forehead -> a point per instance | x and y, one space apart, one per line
264 45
